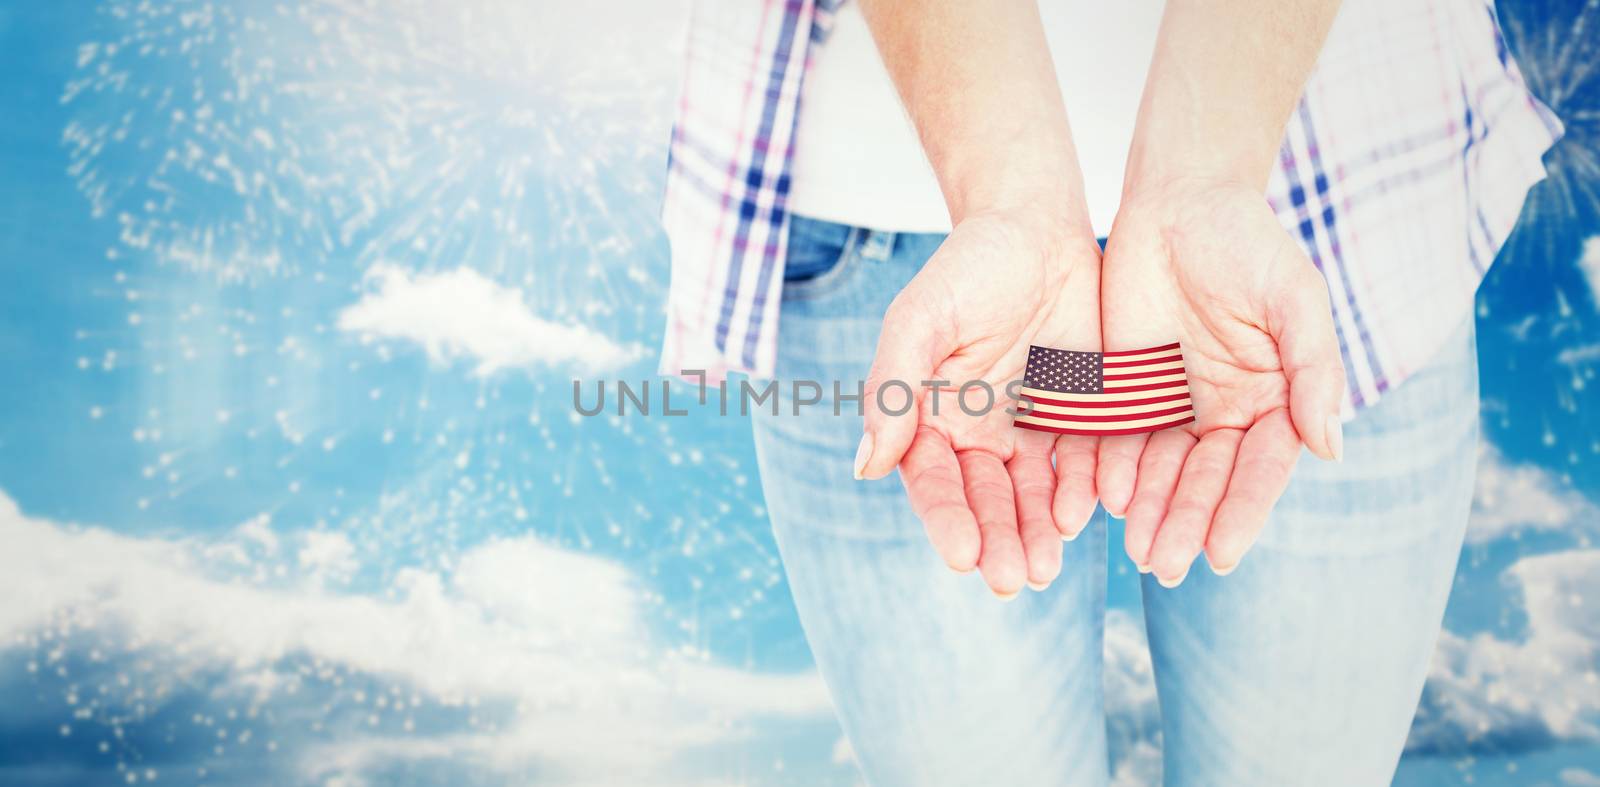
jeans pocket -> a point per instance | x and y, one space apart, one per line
819 258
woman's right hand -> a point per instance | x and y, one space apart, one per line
987 492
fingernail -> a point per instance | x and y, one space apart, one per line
1007 596
1070 536
1173 583
1223 571
1038 585
863 453
1144 568
1336 437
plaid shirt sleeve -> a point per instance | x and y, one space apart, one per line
1401 173
728 181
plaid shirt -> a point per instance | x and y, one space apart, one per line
1401 173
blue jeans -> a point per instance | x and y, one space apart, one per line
1302 667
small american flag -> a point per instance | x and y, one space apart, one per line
1128 392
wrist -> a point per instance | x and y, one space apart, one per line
1183 134
1051 218
1223 82
1033 188
1060 243
1168 179
1173 190
1165 210
1179 162
1048 219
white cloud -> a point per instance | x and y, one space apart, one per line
258 531
1543 687
1589 264
460 313
1133 718
1578 777
327 555
1139 765
1511 498
556 639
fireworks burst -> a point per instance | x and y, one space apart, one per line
268 157
496 133
1558 51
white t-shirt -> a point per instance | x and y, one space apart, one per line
857 159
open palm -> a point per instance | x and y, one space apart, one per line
989 494
1210 266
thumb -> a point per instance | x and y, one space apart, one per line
914 340
1308 349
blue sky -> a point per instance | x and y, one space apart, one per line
259 525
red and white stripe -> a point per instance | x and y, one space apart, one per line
1144 391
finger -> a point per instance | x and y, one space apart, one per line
1117 470
1301 322
1183 531
988 487
1159 466
1033 483
1076 457
1260 474
914 340
933 484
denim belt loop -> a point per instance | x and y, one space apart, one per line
877 245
